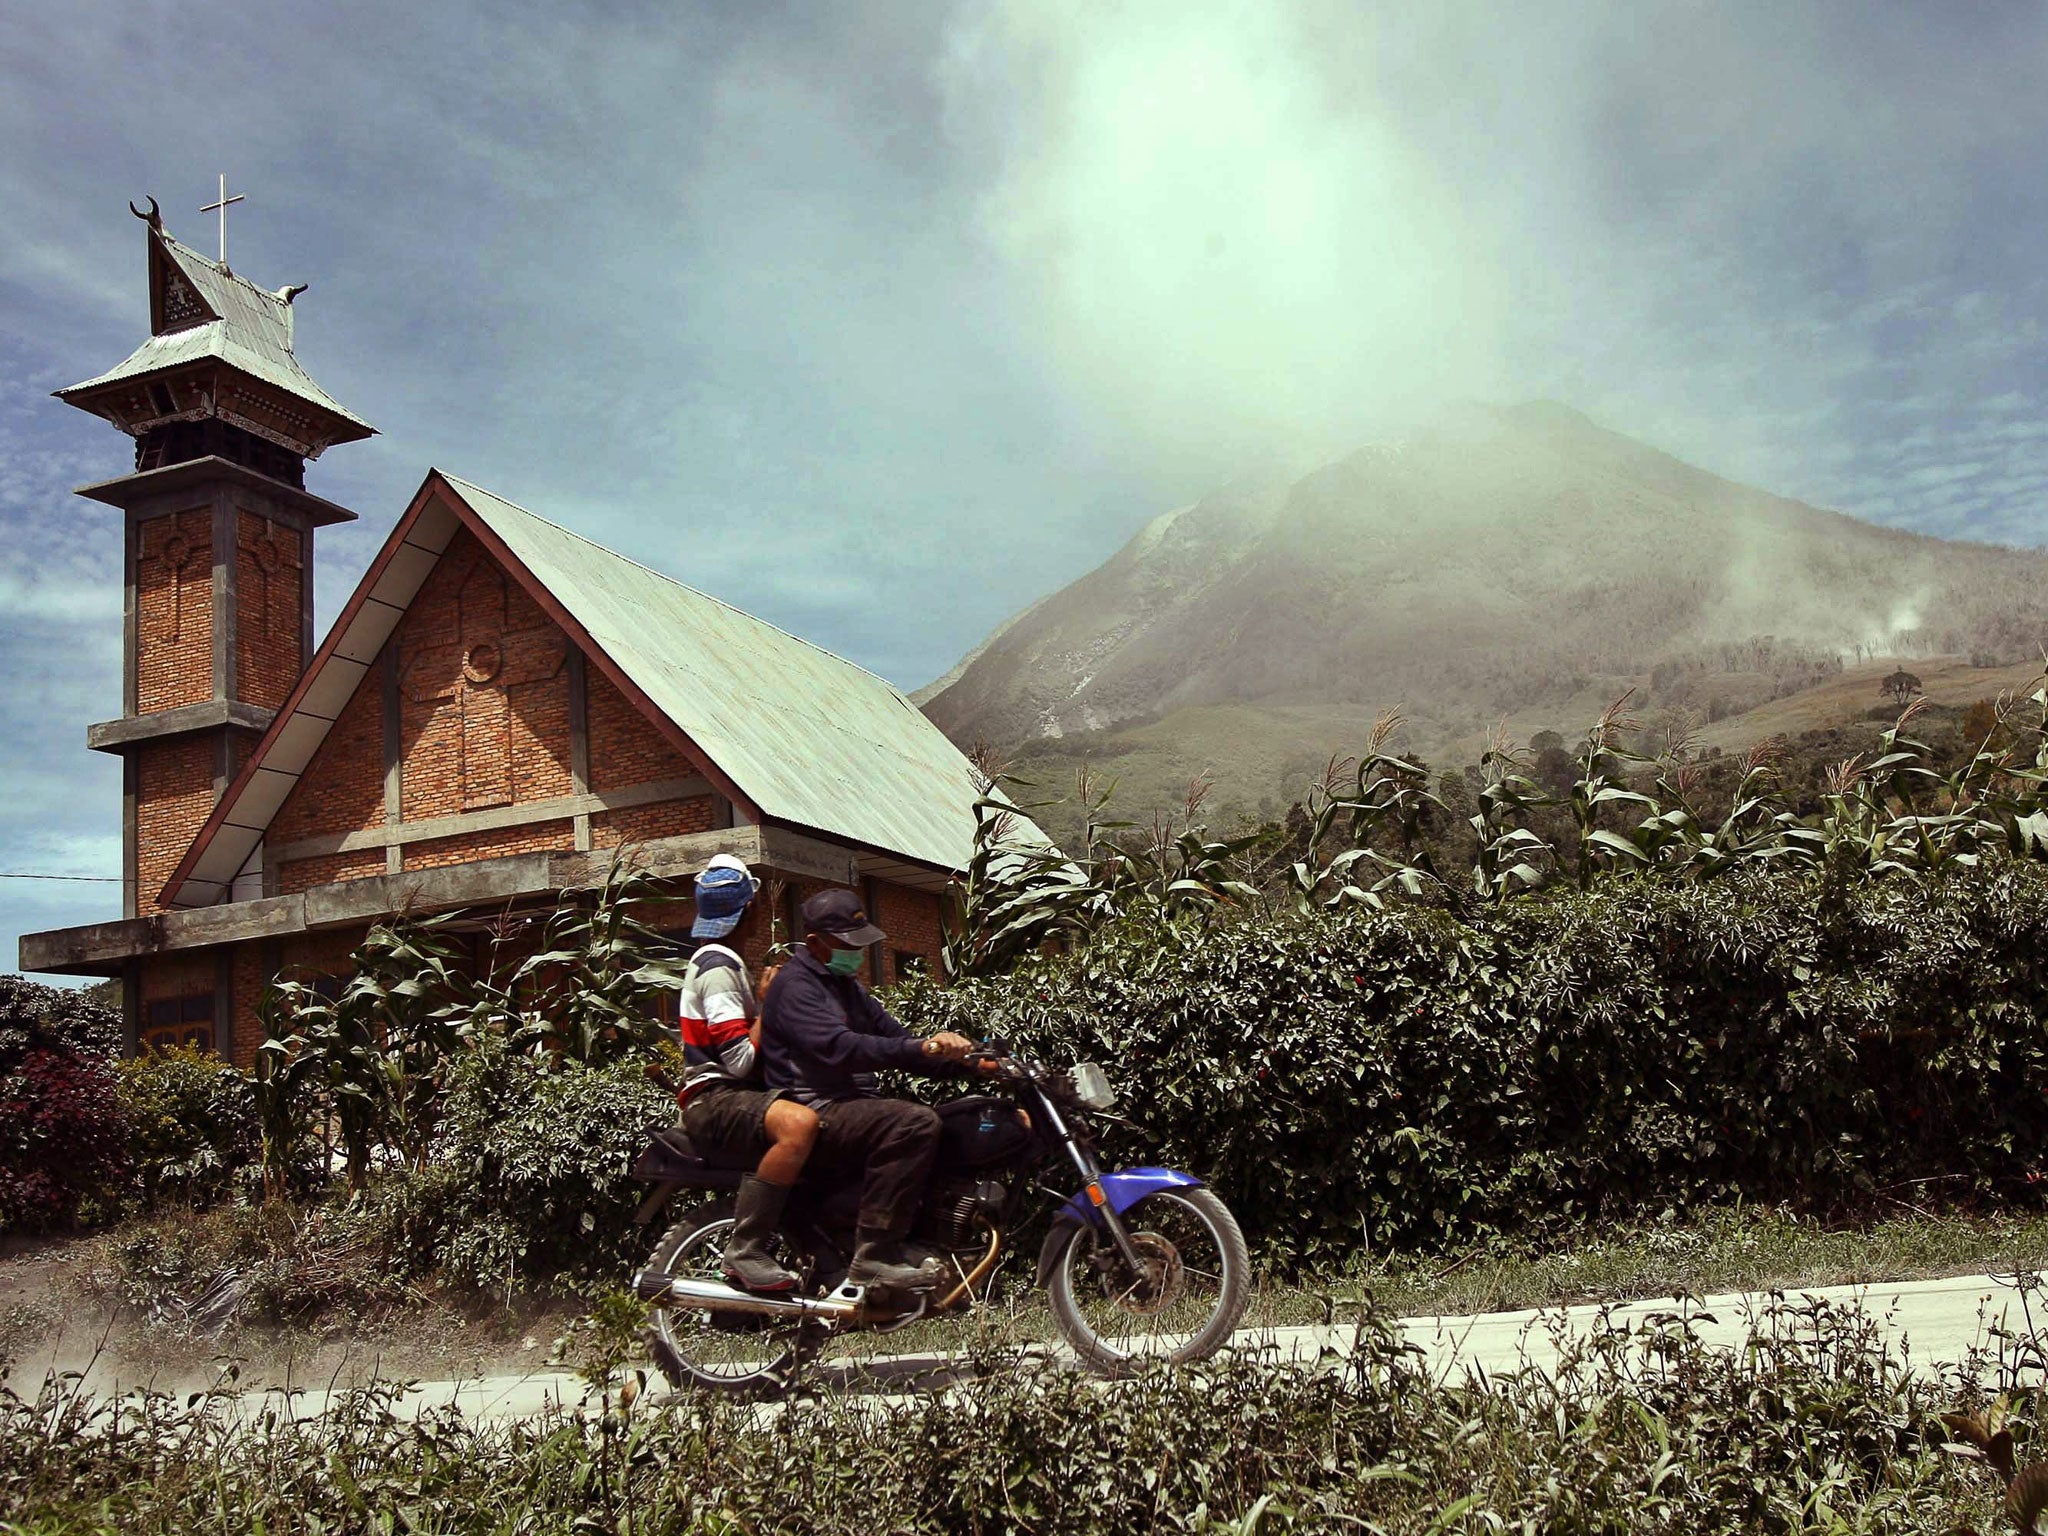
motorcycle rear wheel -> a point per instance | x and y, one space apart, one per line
744 1356
1186 1305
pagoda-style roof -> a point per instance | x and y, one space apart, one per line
201 312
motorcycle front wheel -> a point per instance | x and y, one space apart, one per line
1193 1288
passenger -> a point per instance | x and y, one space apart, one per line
724 1105
822 1039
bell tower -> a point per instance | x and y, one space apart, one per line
218 535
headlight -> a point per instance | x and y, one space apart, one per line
1091 1087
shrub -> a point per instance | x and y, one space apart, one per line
191 1122
1817 1427
530 1176
1407 1077
62 1134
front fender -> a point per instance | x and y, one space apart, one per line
1120 1190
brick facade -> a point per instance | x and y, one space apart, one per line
174 784
342 790
643 823
269 599
174 611
911 919
483 682
625 748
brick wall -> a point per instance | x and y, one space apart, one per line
642 823
328 868
174 611
467 847
250 976
342 789
269 573
483 692
624 748
178 1000
911 919
303 956
174 794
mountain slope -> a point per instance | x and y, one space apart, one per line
1508 560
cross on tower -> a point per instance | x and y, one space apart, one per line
222 205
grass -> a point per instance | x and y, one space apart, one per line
1719 1249
1818 1428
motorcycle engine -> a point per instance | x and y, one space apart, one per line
956 1207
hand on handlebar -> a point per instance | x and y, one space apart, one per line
948 1046
987 1062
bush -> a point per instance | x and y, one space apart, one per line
62 1133
1408 1078
529 1178
192 1123
1816 1427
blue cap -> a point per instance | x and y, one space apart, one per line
723 891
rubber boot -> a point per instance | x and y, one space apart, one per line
879 1261
755 1212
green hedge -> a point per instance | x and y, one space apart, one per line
1407 1078
529 1174
191 1124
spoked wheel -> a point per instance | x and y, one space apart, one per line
751 1355
1193 1284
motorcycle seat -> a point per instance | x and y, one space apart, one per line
670 1157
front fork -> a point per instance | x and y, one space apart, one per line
1093 1191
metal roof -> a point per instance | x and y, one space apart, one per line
252 331
806 737
810 738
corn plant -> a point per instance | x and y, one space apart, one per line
1380 816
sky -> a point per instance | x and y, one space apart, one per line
884 320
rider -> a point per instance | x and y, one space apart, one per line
822 1039
723 1105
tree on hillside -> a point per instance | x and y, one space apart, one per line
1900 686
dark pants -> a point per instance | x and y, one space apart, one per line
891 1143
729 1118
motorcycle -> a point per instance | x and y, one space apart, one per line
1140 1264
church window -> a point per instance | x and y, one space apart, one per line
172 1021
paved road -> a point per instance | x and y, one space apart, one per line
1936 1322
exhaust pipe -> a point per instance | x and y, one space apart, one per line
715 1296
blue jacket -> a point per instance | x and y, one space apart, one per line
823 1036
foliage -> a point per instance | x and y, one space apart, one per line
55 1019
379 1053
1409 1077
191 1123
1370 832
62 1133
529 1176
1018 895
1817 1427
62 1150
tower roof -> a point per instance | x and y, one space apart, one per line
201 311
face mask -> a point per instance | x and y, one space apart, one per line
845 962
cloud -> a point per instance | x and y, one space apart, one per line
1226 244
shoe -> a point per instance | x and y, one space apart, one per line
755 1213
879 1261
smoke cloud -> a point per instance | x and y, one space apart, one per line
1231 243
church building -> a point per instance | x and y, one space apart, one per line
500 707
